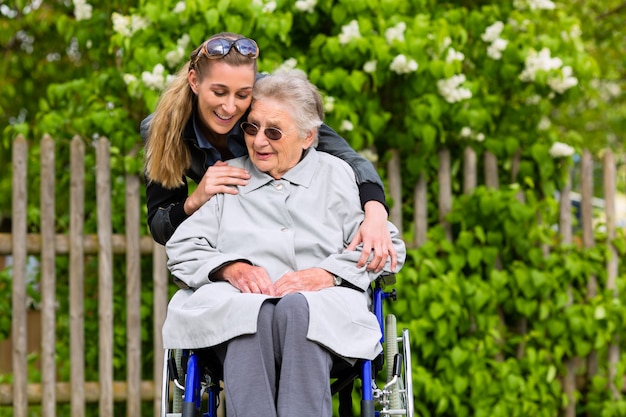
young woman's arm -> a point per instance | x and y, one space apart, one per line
373 232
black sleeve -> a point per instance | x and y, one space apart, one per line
165 210
370 185
165 206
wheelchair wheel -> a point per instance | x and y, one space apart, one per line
401 397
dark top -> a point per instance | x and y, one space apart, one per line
165 206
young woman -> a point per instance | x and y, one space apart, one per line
196 127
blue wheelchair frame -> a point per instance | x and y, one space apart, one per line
196 383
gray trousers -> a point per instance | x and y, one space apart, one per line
277 372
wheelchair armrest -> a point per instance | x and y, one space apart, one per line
386 279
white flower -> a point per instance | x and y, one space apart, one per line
175 56
369 154
454 56
539 61
492 32
288 64
561 150
121 24
544 123
349 32
346 126
156 79
179 7
533 100
563 82
451 91
82 10
370 66
607 89
400 65
129 79
468 133
541 4
127 25
306 5
183 41
138 23
395 33
269 7
494 51
329 104
534 4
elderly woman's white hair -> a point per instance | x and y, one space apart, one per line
292 87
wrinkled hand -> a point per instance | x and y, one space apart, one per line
375 236
219 178
248 278
312 279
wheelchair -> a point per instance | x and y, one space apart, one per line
195 376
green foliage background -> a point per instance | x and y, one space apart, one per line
66 75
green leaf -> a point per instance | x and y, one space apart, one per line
474 256
436 310
458 356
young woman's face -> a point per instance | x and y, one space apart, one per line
224 94
275 157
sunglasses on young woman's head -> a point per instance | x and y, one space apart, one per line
253 130
220 47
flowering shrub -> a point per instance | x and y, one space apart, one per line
522 77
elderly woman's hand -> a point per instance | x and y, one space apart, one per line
247 278
312 279
375 237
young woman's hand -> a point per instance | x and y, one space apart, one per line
375 236
219 178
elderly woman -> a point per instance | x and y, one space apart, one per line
268 282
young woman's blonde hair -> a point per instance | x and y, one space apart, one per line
167 156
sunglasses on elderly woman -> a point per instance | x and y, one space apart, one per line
253 130
220 47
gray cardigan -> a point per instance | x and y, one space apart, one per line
303 220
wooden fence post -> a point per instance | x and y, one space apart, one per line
77 272
469 170
610 189
394 179
48 280
565 229
491 170
161 279
445 191
18 298
421 210
586 223
133 298
105 277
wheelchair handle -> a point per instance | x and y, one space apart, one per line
397 364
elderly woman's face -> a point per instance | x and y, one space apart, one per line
275 157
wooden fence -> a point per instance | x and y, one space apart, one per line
20 244
47 245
